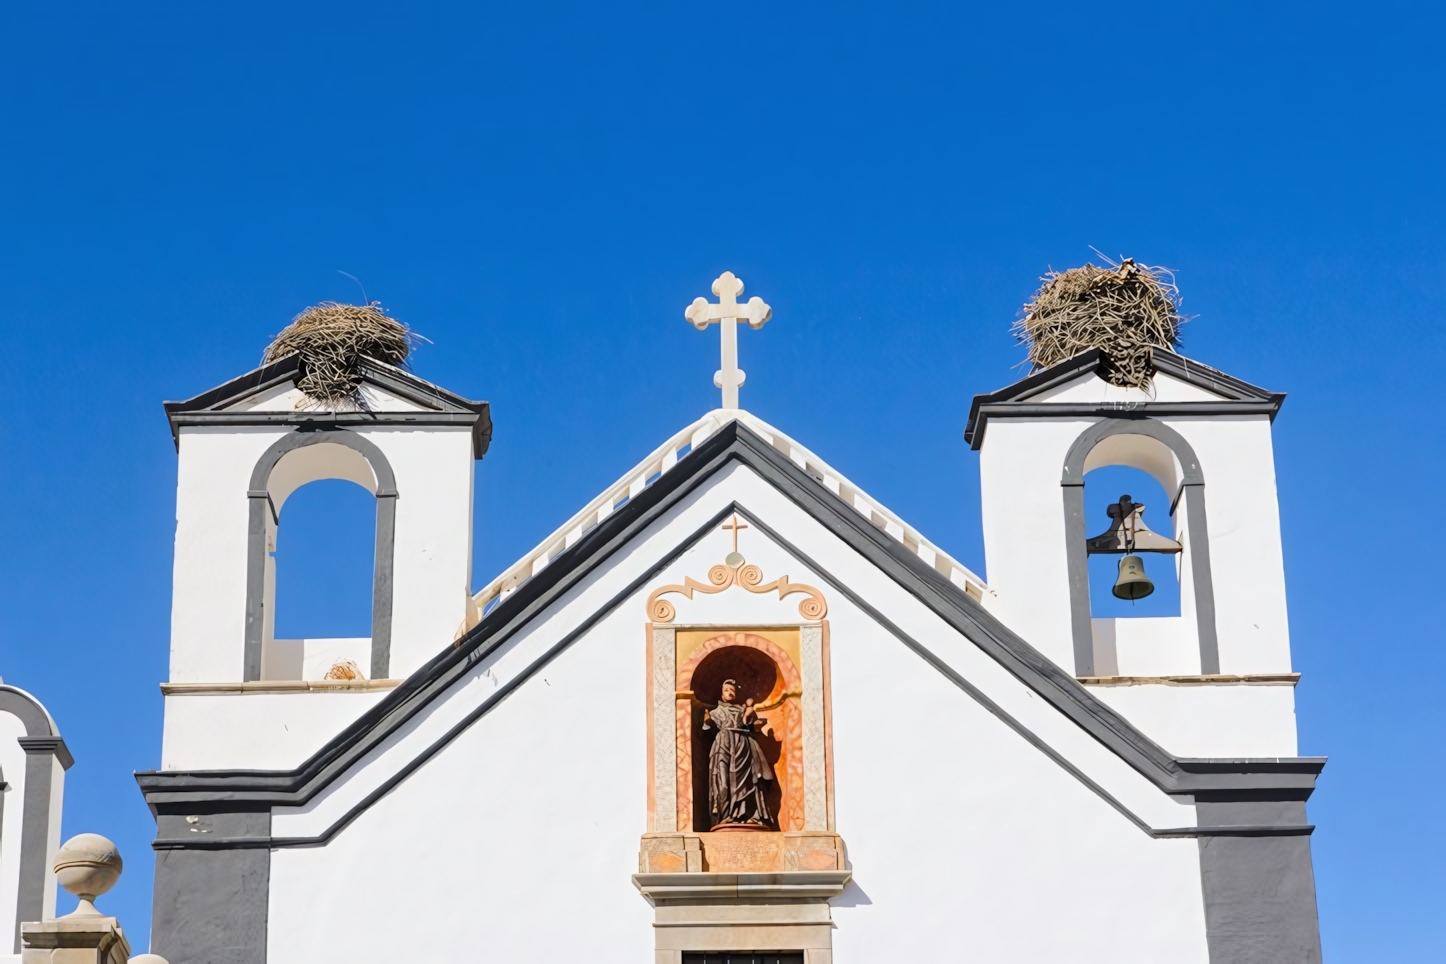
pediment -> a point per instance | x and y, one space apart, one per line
268 395
1074 387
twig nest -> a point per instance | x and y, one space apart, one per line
1124 310
331 339
87 865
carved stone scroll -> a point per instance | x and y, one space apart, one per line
749 577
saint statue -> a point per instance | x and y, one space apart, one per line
737 767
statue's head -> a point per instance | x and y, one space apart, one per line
730 691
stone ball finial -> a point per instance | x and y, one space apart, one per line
87 865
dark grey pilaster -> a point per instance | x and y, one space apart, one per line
42 753
1260 905
210 905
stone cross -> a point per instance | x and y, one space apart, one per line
735 525
727 313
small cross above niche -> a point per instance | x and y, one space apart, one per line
735 558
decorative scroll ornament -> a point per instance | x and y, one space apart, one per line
748 577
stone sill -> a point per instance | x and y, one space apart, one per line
281 686
786 884
1218 679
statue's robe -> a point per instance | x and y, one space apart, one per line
737 769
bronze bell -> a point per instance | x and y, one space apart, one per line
1132 582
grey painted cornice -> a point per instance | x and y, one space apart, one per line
441 406
1013 401
229 791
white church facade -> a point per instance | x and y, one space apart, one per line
735 709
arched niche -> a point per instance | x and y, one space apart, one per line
1156 448
767 674
293 461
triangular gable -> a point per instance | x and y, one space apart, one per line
264 396
1046 393
177 793
665 458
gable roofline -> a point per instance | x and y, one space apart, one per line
189 792
440 407
1013 401
664 458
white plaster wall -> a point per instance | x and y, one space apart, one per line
1024 543
208 597
1246 561
1244 720
263 731
957 828
966 843
432 559
1146 646
515 844
12 766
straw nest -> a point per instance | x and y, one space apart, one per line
331 339
1124 310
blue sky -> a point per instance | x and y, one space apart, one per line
540 189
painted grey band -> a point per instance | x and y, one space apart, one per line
1072 483
382 583
43 748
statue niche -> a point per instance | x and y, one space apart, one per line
738 714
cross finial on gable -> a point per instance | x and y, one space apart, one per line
727 314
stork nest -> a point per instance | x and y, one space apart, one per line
1124 310
331 339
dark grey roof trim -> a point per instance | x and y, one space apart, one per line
238 790
1012 401
444 407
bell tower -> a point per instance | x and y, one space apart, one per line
244 448
1206 438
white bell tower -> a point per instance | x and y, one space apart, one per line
1206 438
244 448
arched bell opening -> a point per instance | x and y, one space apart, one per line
321 566
1151 457
294 461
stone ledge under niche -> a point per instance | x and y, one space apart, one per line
750 887
764 852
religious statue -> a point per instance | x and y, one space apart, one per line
737 767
